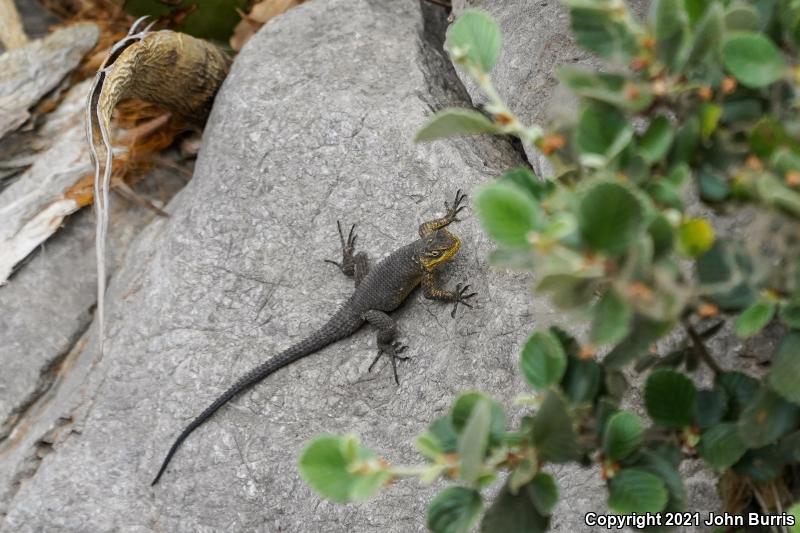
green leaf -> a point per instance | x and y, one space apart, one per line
598 27
790 313
671 24
752 59
665 193
766 419
707 34
661 233
784 160
784 378
543 361
741 17
710 407
622 436
612 319
754 318
656 141
721 446
719 268
454 121
525 179
524 472
454 510
543 492
610 217
761 465
475 39
773 191
553 434
442 435
669 398
325 465
686 141
636 491
508 215
613 89
513 513
473 441
663 461
695 237
582 380
794 510
766 136
709 118
602 133
741 390
712 187
462 411
642 335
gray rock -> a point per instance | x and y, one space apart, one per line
46 308
35 69
314 124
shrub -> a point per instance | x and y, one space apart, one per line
706 108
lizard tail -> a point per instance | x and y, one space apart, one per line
320 339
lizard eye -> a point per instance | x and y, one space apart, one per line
434 253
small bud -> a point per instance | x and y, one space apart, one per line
551 143
640 63
792 178
705 93
753 163
503 118
639 291
587 351
728 85
659 87
649 43
707 310
632 92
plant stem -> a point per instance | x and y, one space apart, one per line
700 349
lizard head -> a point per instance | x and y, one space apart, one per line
439 247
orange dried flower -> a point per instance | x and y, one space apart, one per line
551 143
705 93
707 310
728 85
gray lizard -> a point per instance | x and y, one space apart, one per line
378 291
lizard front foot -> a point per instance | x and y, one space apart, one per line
459 297
453 210
393 350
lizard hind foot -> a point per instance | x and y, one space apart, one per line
348 247
393 351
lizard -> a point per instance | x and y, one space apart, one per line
378 291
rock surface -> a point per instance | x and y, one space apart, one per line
46 308
314 124
35 69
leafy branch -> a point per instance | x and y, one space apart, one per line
700 101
